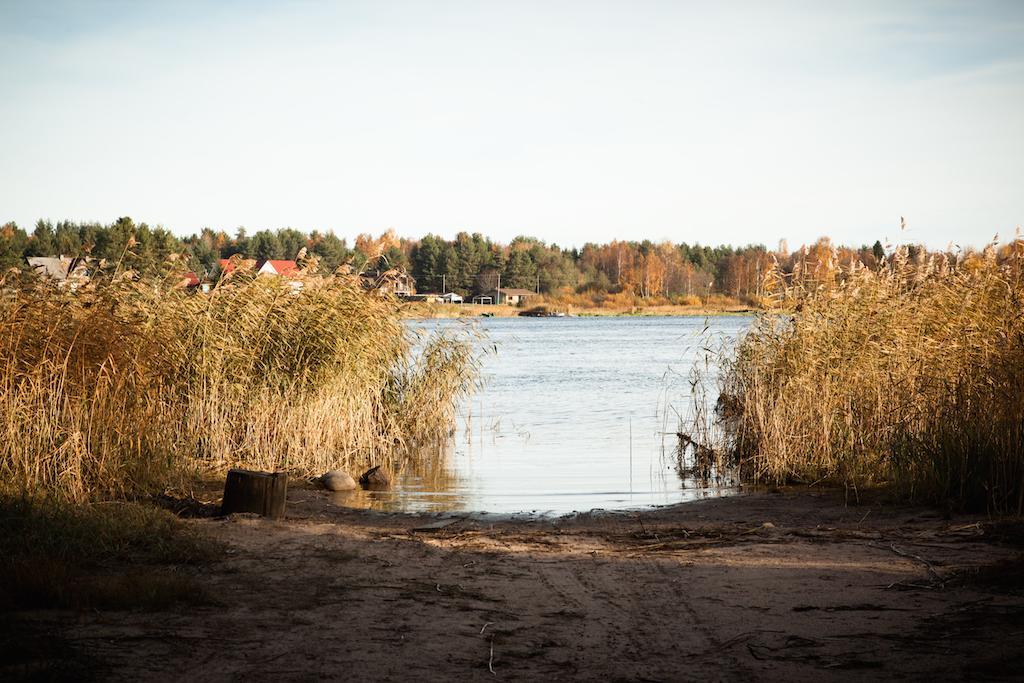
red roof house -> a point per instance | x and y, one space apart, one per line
189 279
227 266
280 267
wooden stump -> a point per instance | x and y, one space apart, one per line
260 492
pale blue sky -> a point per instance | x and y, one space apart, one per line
574 122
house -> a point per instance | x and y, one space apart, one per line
227 266
430 297
395 282
279 267
194 283
434 297
61 270
287 269
189 280
510 296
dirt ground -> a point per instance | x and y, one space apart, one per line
785 586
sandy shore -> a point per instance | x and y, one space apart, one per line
790 586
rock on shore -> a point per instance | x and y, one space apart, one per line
338 480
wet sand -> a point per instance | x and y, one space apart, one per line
783 586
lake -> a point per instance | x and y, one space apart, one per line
575 414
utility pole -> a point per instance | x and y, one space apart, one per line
444 286
497 293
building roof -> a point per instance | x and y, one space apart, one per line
513 291
53 267
189 279
281 267
226 266
58 268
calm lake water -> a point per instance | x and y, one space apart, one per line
575 414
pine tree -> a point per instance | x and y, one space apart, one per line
43 240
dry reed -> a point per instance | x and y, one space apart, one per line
124 385
912 375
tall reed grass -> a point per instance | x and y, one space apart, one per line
912 375
127 385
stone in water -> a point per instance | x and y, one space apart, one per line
374 478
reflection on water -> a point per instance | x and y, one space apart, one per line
576 414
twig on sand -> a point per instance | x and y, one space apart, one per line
485 627
905 585
931 570
643 529
928 565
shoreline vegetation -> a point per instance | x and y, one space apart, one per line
127 385
909 376
905 374
427 311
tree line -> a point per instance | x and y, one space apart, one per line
468 264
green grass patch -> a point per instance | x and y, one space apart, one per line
99 556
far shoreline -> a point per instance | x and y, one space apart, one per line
424 311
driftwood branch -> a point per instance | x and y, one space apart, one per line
938 578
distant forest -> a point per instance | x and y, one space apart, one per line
468 264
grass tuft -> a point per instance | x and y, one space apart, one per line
74 555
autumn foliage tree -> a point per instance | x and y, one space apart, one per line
471 263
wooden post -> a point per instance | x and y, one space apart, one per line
260 492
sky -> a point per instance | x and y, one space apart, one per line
573 122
